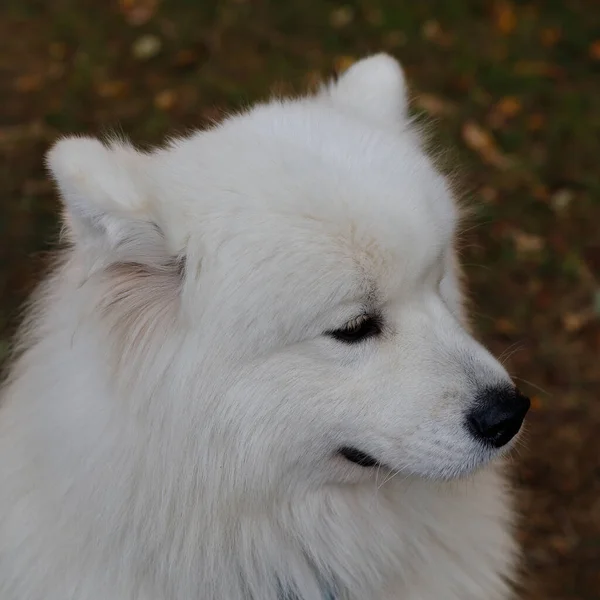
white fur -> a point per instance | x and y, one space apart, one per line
170 432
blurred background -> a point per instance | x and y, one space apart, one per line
512 90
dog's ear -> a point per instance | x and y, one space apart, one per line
107 208
375 87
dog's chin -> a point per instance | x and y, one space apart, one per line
464 468
448 468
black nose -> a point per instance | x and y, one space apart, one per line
497 415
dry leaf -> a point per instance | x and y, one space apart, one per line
28 83
488 194
434 105
112 89
509 106
477 138
594 50
536 403
394 39
482 142
165 100
535 122
433 32
146 47
505 326
540 192
549 36
185 58
506 108
138 12
341 17
527 243
573 322
504 17
561 199
343 63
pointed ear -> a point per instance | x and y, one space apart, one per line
374 87
107 209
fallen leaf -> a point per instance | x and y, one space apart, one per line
509 106
527 243
343 63
185 58
536 402
477 138
540 192
504 17
561 199
431 29
594 50
535 122
560 544
433 32
29 83
138 12
165 100
146 47
434 105
549 36
505 326
506 108
394 39
573 322
341 17
489 194
111 89
482 142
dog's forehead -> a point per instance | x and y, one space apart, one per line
301 172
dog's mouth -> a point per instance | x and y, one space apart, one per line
358 457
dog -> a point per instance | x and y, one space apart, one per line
251 375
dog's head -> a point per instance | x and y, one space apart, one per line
282 292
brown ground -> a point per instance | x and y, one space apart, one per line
515 90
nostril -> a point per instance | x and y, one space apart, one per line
497 415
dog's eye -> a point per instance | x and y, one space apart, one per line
359 329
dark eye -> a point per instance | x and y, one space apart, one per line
359 329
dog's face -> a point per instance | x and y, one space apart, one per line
299 297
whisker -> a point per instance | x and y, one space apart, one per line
533 385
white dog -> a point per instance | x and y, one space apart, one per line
251 377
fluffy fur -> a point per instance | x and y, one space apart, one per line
169 430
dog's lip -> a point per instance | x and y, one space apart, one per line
358 457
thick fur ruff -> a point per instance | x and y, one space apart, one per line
171 424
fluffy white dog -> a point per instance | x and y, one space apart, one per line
251 378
